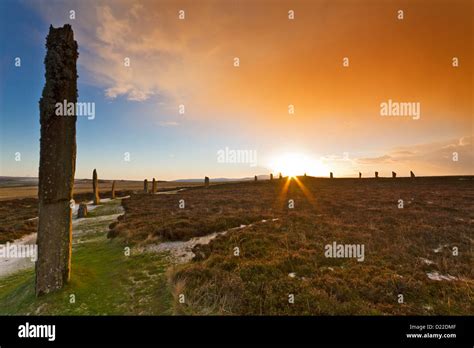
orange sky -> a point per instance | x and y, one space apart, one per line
298 62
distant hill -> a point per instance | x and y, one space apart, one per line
16 181
13 181
260 177
212 179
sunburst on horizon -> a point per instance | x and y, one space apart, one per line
293 164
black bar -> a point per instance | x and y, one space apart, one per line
241 330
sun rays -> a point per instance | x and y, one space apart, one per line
283 195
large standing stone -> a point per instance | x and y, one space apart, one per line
95 187
206 181
145 186
394 175
376 174
153 186
412 175
331 175
82 211
360 175
280 176
57 163
113 190
255 178
271 176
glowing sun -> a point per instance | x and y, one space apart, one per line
294 164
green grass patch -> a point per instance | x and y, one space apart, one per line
104 281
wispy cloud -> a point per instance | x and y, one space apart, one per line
375 160
436 156
144 34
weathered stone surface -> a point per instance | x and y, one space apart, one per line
113 190
376 174
206 181
394 175
412 175
153 186
82 211
145 186
95 187
57 162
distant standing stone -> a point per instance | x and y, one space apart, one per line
82 211
206 181
412 174
113 189
95 187
145 186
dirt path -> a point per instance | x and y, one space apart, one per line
182 251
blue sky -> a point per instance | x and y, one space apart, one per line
102 142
